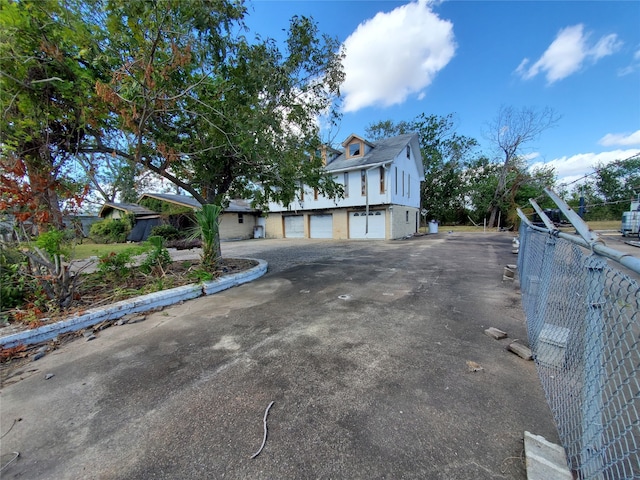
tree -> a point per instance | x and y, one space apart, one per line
444 154
510 132
49 62
218 115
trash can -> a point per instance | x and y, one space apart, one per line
433 226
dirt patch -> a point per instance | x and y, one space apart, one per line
94 291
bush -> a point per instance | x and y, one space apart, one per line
13 283
166 231
112 265
157 258
110 231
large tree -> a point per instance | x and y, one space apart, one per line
511 132
445 155
49 62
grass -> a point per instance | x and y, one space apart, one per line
595 225
86 250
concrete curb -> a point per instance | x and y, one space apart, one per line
133 305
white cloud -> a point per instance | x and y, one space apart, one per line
571 168
632 67
620 139
568 53
394 55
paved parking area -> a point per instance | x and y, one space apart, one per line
362 347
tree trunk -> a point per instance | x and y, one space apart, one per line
47 212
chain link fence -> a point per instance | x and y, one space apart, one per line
583 324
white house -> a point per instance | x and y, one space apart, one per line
381 182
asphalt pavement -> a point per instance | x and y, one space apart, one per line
364 347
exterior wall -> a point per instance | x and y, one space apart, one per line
115 214
397 224
404 181
232 229
340 224
274 226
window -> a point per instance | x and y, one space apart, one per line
406 216
363 182
354 150
240 218
396 179
409 185
381 179
346 184
403 183
408 151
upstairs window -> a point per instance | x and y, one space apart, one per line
240 218
346 184
355 150
382 188
363 182
408 151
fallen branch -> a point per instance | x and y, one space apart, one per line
264 440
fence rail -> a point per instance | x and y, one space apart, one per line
583 323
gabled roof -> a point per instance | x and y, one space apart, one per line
358 137
182 200
133 208
382 152
235 206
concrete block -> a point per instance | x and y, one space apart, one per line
495 333
545 460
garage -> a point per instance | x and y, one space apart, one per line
294 226
358 224
321 226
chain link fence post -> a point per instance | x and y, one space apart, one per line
592 427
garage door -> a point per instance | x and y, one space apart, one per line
294 226
321 226
358 224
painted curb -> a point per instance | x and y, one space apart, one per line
143 303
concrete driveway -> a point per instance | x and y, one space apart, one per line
363 347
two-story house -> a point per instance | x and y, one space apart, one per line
381 182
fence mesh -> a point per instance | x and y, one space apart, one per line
584 331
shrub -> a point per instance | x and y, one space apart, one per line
114 265
166 231
13 282
110 231
157 258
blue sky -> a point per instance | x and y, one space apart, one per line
469 58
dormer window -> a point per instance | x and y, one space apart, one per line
408 151
354 149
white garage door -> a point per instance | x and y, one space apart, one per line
294 226
321 226
358 224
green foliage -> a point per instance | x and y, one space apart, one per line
445 156
50 57
208 230
110 230
157 258
199 275
55 243
114 265
168 232
14 285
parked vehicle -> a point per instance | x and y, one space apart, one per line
631 220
